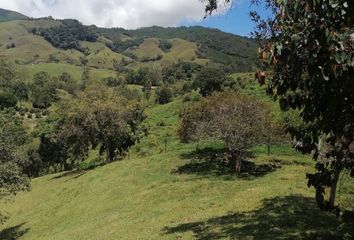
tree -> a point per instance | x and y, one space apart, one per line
7 100
164 95
43 89
7 74
21 90
85 77
12 136
309 46
209 80
67 83
97 118
155 74
235 119
12 179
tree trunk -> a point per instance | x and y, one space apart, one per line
269 145
238 164
238 161
108 157
332 197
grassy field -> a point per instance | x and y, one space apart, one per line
55 69
149 48
172 195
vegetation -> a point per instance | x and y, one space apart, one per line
124 125
97 118
7 100
210 80
309 47
237 50
164 95
6 15
120 46
149 186
67 35
12 137
236 120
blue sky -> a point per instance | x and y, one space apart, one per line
236 20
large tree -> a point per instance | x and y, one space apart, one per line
96 118
309 46
12 138
210 80
234 119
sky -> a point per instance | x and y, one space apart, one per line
132 14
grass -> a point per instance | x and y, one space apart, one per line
153 194
14 29
181 50
149 48
101 56
143 198
55 69
6 15
34 49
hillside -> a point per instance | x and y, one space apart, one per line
155 133
142 198
39 41
213 44
174 195
6 15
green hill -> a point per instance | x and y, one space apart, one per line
160 188
146 198
224 48
6 15
174 195
47 40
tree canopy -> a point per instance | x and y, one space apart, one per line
234 119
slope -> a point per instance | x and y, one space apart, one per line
7 15
173 195
231 49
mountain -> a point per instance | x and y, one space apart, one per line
221 47
7 15
48 41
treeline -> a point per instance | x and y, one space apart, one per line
121 46
41 91
67 35
239 54
212 38
99 118
235 53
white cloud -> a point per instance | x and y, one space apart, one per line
113 13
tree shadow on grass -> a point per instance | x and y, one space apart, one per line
210 162
72 174
290 217
13 233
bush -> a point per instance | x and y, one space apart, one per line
165 45
164 95
7 100
210 80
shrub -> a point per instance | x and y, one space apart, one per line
164 95
7 100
